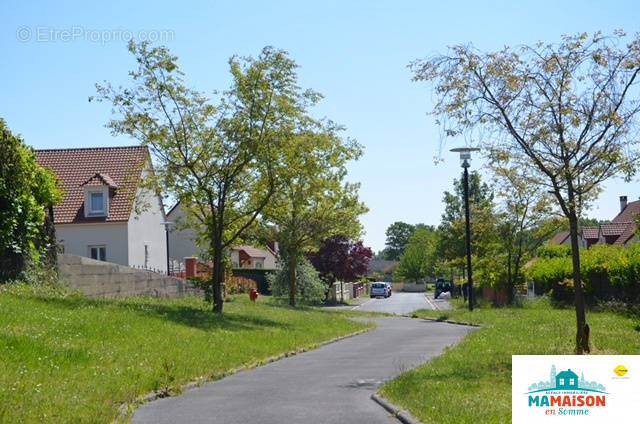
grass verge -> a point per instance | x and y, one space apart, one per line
71 359
471 383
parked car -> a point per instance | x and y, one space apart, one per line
443 286
389 288
379 289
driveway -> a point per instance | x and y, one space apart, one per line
400 303
332 384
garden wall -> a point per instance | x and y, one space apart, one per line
97 279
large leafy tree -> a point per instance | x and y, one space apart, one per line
314 202
420 258
27 194
341 259
451 240
398 235
566 112
217 158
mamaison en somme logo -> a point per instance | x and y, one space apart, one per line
620 370
567 394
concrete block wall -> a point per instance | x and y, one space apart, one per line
102 279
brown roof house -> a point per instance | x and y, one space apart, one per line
105 214
621 231
183 244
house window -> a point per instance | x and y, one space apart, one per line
561 382
97 202
98 253
258 265
571 382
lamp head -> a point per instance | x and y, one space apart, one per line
465 154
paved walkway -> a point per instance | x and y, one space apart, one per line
332 384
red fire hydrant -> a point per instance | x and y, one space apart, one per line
253 295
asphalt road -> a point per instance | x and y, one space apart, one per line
332 384
399 303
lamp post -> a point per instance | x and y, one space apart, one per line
465 158
167 227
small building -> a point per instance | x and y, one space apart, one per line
106 213
183 243
252 257
567 380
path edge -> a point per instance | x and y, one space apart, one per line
126 409
403 416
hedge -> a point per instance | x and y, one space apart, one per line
608 272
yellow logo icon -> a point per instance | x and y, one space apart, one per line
620 370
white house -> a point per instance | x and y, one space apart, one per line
105 214
183 244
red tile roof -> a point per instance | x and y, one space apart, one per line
559 238
591 233
99 179
614 228
253 252
119 167
630 213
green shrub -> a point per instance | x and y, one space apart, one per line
26 191
309 286
608 273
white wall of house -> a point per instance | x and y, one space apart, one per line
77 239
182 241
147 245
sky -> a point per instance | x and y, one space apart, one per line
353 52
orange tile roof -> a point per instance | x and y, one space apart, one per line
119 167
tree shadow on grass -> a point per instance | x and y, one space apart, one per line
187 315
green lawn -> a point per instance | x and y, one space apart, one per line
471 383
70 359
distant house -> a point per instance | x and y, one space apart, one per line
105 213
252 257
621 231
567 380
183 244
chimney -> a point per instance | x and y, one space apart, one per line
623 202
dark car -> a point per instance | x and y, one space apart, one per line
443 286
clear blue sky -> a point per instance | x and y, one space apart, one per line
354 52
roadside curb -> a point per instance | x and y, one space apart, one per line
126 409
448 321
402 415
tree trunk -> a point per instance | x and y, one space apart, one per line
293 263
218 278
582 333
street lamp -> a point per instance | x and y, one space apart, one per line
465 158
167 227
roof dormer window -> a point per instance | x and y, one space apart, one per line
97 191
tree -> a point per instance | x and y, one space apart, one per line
451 241
564 112
522 224
398 235
27 193
309 286
218 160
313 203
341 259
420 257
